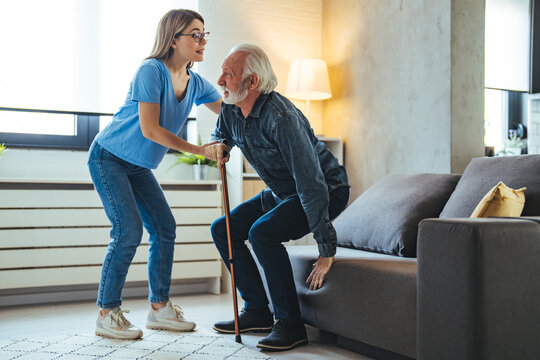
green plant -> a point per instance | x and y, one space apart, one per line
2 149
183 157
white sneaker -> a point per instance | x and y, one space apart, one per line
169 317
114 325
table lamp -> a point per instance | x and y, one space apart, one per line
308 80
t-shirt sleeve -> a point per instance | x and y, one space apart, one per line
147 84
207 93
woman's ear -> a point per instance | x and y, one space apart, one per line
174 44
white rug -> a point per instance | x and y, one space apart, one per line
155 345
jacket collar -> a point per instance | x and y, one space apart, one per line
256 110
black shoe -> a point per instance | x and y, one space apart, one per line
259 320
285 335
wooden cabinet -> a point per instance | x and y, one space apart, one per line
251 186
55 234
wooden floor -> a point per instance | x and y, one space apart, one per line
204 309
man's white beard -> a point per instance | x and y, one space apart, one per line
235 97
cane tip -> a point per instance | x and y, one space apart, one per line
238 339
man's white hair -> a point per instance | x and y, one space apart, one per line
257 63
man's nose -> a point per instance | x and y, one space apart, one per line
220 81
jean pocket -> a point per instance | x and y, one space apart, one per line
100 153
105 154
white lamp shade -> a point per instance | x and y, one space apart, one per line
308 80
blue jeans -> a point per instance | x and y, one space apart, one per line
266 231
131 198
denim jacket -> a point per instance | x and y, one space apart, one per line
280 145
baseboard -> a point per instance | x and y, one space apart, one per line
370 350
60 294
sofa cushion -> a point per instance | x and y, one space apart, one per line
385 217
501 201
484 173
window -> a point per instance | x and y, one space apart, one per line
42 128
57 129
67 64
40 123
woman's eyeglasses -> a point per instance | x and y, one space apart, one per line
197 36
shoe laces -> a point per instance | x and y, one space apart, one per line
120 319
179 312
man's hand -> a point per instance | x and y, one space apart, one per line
320 269
217 152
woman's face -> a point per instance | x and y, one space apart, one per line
186 46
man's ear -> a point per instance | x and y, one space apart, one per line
253 81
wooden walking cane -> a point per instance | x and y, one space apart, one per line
231 258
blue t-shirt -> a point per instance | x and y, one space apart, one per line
152 83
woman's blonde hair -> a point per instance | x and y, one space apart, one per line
171 25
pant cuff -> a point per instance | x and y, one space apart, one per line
108 306
158 301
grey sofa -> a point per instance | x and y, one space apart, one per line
415 278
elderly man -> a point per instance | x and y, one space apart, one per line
306 189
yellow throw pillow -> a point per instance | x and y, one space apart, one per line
501 201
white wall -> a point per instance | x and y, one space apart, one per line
391 62
407 76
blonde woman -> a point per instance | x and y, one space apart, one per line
160 97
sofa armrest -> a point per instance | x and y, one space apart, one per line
478 289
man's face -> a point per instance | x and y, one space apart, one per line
234 89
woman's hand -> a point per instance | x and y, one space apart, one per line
320 269
217 151
201 149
